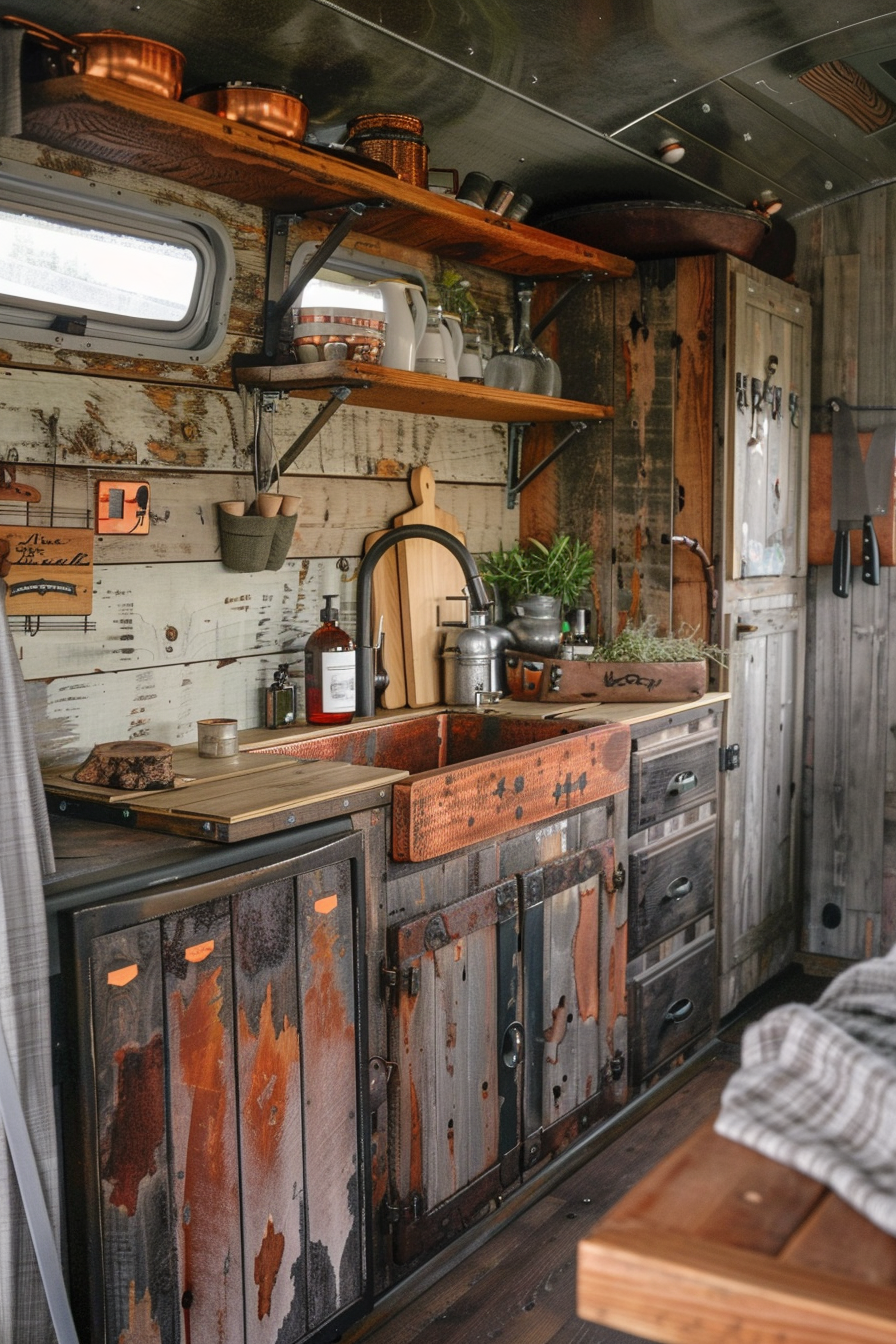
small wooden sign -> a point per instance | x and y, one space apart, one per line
52 571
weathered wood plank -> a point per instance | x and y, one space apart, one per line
107 422
840 329
335 513
334 1238
203 1122
139 1263
693 447
642 446
270 1115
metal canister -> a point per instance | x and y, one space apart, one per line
394 138
466 664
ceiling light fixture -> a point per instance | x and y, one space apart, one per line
670 150
767 203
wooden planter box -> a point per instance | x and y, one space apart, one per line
565 681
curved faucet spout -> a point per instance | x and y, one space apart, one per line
364 688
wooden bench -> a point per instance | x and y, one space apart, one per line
720 1245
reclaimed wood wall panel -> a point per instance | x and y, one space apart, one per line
693 440
335 1182
271 1118
643 446
848 255
70 416
138 1240
201 1044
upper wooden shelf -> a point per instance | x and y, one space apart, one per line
112 122
419 393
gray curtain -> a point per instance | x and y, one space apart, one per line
25 855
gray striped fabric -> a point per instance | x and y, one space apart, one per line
817 1089
25 854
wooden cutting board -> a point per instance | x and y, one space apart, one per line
427 576
385 603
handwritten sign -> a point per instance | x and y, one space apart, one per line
52 571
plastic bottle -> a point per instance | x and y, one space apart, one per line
329 670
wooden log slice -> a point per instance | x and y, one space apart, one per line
128 765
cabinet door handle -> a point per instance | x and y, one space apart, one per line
680 783
679 1011
677 889
512 1045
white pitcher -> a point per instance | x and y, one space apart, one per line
405 310
453 336
432 353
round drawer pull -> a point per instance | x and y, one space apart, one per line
677 889
681 783
512 1045
679 1011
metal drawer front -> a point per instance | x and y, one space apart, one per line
673 1005
672 883
673 778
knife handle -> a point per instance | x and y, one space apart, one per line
870 553
841 564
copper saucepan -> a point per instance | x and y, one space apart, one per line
152 67
267 107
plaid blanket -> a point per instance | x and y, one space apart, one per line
817 1089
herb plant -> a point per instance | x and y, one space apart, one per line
644 645
455 297
560 570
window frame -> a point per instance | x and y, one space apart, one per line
52 195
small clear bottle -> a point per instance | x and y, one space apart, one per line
280 700
329 670
567 649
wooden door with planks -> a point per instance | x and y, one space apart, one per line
223 1048
761 500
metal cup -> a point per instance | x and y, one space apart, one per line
499 198
475 189
217 737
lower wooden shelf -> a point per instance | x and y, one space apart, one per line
419 393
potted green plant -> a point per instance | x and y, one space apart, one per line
535 584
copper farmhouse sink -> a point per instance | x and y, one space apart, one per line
474 776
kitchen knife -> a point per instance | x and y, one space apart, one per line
849 492
879 463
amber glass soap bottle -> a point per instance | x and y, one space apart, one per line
329 671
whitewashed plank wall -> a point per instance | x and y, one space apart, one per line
176 635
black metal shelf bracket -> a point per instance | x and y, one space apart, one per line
338 397
582 282
517 483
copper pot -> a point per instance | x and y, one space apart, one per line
153 67
265 106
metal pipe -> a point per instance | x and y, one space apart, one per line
364 652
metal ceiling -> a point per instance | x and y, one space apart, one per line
566 101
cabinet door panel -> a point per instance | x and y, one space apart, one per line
135 1192
327 967
566 909
672 883
204 1149
270 1111
673 1005
455 996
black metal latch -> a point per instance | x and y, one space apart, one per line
729 757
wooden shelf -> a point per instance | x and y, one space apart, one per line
419 393
112 122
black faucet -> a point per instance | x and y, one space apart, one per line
364 687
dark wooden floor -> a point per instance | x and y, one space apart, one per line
519 1287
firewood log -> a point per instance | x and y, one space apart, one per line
128 765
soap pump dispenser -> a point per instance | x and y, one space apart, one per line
280 700
329 670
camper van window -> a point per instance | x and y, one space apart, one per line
110 271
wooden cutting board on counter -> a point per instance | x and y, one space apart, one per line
427 576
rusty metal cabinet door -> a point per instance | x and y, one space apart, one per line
221 1040
456 1048
574 957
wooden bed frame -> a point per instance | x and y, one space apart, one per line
720 1245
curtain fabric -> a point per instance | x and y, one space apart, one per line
25 856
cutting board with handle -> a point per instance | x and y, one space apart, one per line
385 604
428 575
